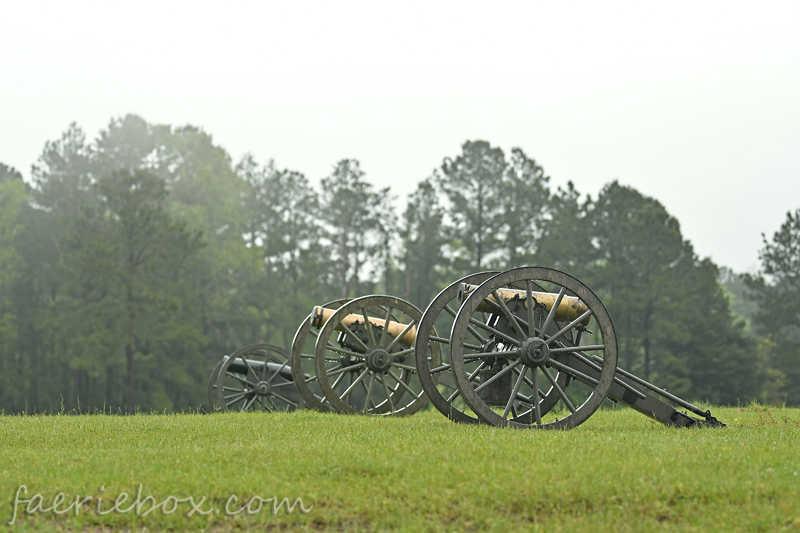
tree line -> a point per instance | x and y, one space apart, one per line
129 264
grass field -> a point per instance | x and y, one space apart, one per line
617 472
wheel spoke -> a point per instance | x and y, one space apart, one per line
569 326
402 334
353 384
469 378
247 364
529 306
284 384
406 367
237 377
355 337
495 332
287 400
327 372
473 356
469 328
260 401
275 407
369 393
345 369
573 349
440 340
339 378
403 384
371 401
558 388
237 400
552 314
247 405
528 382
388 396
277 371
509 315
515 391
385 326
536 407
575 373
497 376
264 368
237 396
368 326
439 369
401 353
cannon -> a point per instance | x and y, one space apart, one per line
533 347
256 377
329 375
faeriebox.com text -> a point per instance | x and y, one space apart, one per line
141 505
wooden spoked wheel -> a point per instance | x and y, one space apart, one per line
529 335
365 357
304 371
257 378
438 382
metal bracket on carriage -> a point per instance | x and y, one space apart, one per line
408 333
569 309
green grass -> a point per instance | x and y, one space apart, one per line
619 471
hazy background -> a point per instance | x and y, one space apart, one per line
693 103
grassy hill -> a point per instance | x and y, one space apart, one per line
619 471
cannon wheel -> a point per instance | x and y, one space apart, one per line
524 350
253 389
438 382
212 387
371 360
306 383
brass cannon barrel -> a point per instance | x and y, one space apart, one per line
320 316
569 309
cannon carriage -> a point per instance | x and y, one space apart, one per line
527 348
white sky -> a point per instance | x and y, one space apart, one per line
694 103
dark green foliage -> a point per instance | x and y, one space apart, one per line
738 294
424 240
13 197
526 197
565 237
474 188
776 291
123 306
358 222
672 319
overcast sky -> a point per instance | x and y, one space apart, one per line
694 103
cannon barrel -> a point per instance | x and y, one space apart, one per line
239 367
320 316
570 307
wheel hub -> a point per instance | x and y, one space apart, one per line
379 360
262 388
534 351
